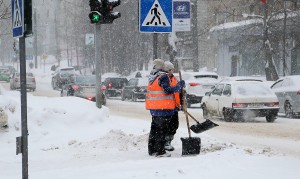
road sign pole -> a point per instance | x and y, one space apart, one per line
98 65
23 108
155 43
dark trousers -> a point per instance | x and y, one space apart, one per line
158 131
173 124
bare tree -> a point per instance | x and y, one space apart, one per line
4 10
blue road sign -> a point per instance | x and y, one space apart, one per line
17 18
155 16
181 15
29 57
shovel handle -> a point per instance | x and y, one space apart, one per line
193 118
184 107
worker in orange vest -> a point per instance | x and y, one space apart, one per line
174 122
160 100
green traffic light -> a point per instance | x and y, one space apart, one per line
96 17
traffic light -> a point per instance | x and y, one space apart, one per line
28 17
101 11
95 15
107 11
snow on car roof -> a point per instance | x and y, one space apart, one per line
295 82
193 75
245 78
295 78
252 89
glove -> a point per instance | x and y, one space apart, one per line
181 83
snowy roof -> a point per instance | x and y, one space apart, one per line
235 24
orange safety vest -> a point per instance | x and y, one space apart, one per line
157 99
177 96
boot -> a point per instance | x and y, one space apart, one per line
165 154
168 145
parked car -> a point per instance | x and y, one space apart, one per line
287 90
61 77
114 86
4 75
30 81
83 86
8 69
197 84
237 100
135 89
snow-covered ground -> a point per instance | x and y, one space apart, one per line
70 138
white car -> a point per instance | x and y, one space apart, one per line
238 100
287 90
197 84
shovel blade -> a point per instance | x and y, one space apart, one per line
191 145
204 126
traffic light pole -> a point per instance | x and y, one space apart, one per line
98 65
24 138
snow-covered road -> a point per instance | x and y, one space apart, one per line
282 136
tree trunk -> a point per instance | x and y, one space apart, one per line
270 69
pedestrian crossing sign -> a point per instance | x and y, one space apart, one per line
17 18
155 16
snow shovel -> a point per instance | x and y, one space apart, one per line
190 145
201 127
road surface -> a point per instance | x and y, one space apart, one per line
282 136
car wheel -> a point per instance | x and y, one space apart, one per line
205 112
227 115
288 110
270 118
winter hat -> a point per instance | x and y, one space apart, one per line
158 64
168 66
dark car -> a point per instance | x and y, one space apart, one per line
61 77
136 89
114 86
83 86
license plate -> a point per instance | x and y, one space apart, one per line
89 90
255 105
